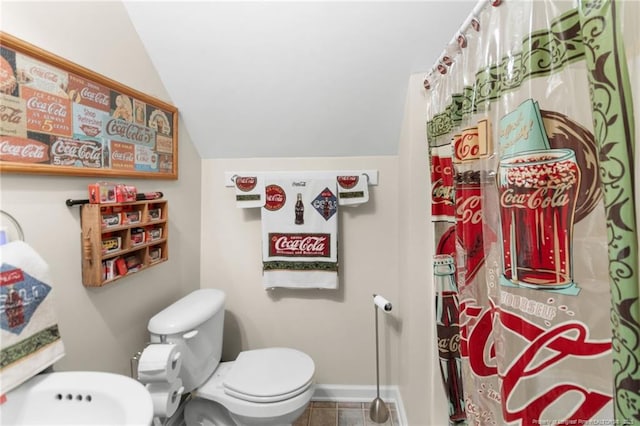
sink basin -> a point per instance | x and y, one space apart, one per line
78 398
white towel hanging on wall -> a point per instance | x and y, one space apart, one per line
300 233
353 190
29 331
249 191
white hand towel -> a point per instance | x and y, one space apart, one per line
300 234
29 331
353 190
249 191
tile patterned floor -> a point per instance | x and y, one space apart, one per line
331 413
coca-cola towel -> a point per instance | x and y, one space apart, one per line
353 190
300 233
249 191
29 332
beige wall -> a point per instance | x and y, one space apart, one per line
101 328
420 383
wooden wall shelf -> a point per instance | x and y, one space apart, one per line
121 239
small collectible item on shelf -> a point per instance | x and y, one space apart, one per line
137 236
154 234
155 214
110 245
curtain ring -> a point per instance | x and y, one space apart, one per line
462 41
475 24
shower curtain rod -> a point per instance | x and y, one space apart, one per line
465 25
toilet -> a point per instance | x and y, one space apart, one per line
270 386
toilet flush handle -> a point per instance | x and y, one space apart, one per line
190 334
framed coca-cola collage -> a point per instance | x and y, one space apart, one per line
57 117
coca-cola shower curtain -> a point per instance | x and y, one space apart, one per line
531 133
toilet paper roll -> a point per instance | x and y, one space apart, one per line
382 303
165 397
159 362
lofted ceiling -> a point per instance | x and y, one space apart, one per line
296 78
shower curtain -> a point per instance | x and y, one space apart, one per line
531 139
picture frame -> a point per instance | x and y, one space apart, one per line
60 118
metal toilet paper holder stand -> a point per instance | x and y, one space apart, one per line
379 412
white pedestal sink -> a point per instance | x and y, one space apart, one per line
78 398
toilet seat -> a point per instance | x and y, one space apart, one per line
269 375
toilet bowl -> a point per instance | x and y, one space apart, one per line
270 386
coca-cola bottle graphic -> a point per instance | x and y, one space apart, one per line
299 210
14 309
105 155
448 330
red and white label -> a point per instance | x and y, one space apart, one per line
11 277
246 183
275 197
442 186
300 245
348 182
22 150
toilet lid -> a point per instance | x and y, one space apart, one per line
269 375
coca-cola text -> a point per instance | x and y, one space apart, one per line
299 245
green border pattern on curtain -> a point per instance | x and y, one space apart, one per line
544 52
613 121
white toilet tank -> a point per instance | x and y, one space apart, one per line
195 323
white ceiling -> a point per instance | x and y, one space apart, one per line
293 79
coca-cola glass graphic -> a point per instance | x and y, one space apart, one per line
538 191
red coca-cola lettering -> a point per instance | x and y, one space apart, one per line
300 245
565 340
466 146
10 115
11 277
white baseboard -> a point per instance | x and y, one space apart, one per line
358 393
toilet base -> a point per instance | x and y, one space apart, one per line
202 412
